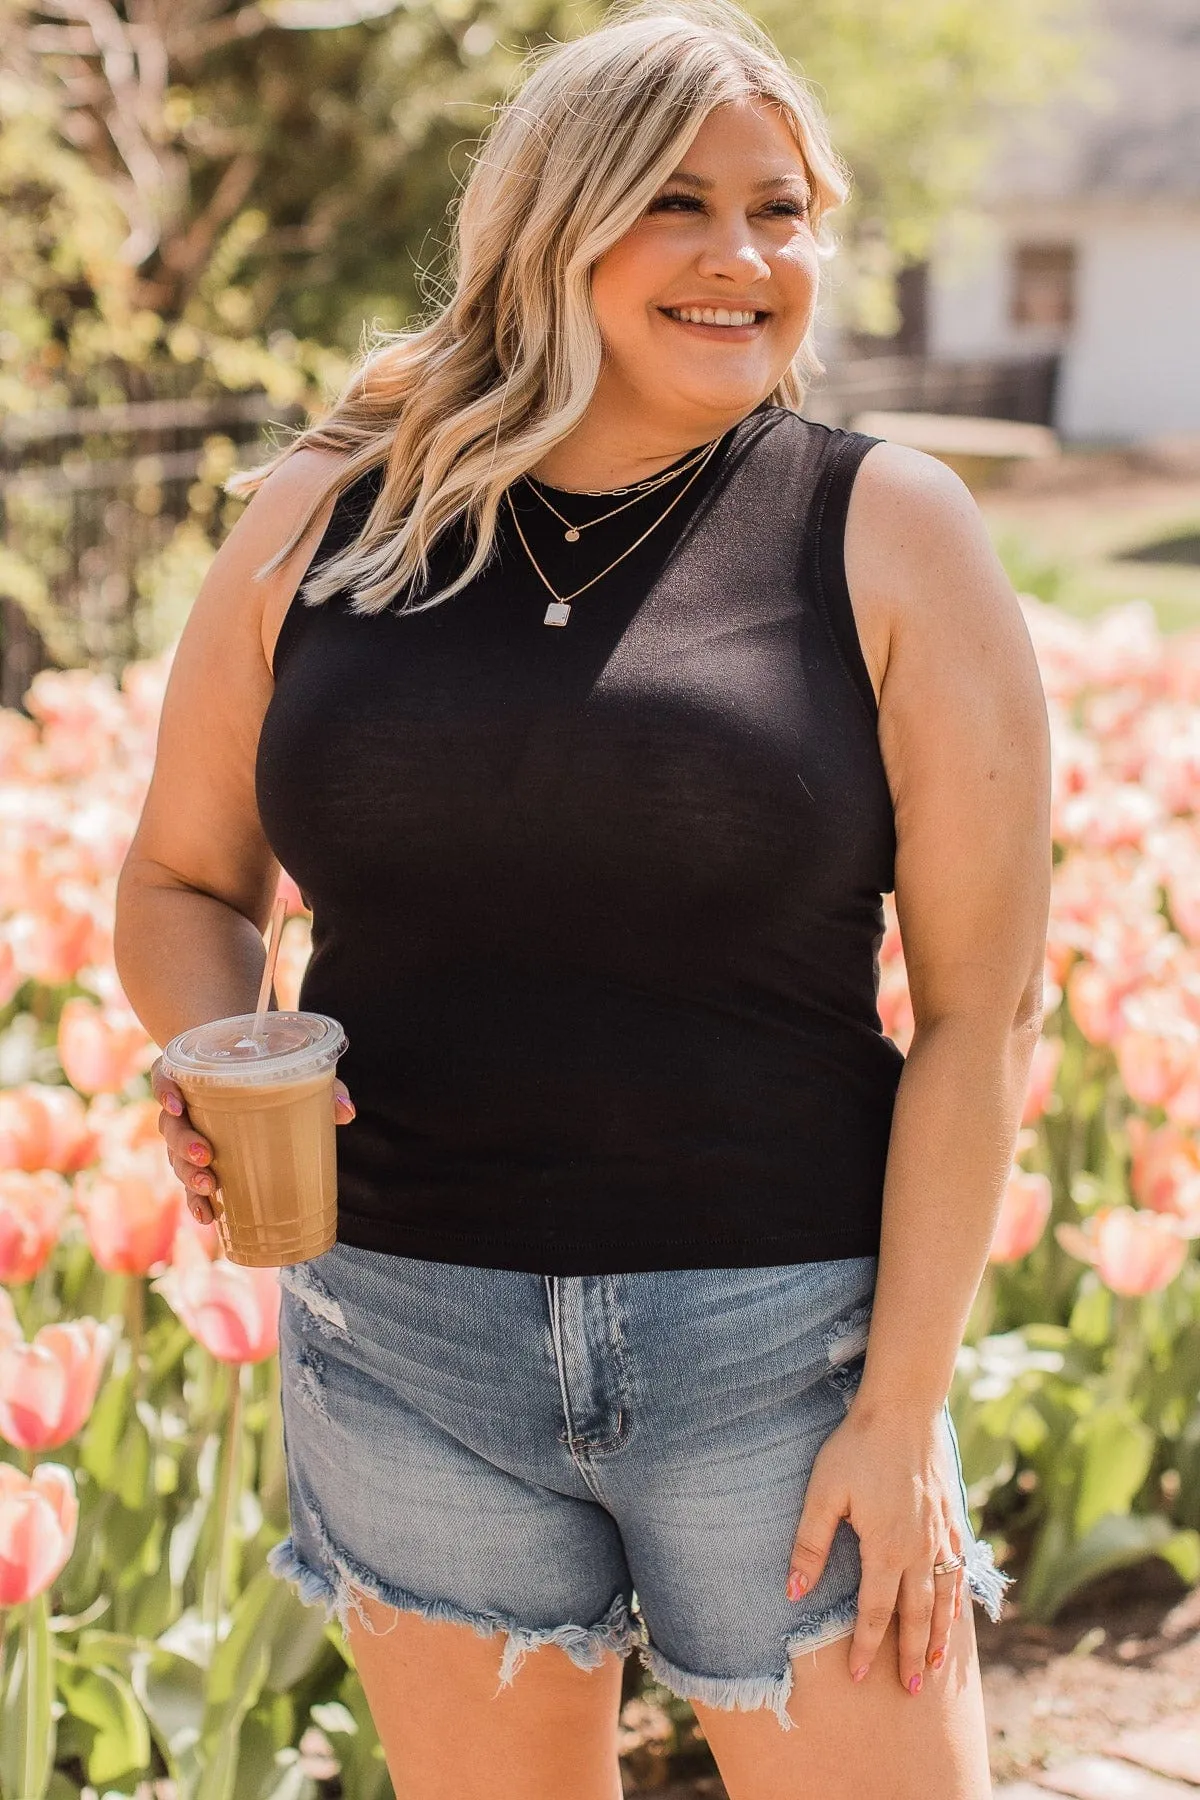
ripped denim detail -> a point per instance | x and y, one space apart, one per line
586 1645
845 1343
325 1308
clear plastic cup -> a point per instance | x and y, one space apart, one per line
265 1105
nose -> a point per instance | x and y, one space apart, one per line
730 250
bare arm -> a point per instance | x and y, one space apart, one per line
964 736
965 741
196 888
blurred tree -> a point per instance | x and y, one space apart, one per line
236 188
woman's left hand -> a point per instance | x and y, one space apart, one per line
887 1476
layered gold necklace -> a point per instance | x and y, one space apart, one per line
559 610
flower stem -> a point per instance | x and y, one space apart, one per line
226 1500
135 1326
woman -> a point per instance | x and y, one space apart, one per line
615 697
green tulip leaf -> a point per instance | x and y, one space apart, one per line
1117 1452
121 1741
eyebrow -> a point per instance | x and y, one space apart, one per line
758 187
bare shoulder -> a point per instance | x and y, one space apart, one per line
199 826
925 578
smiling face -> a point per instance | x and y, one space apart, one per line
727 234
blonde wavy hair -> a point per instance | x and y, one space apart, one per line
458 408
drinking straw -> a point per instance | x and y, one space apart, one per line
273 941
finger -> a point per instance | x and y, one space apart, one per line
819 1520
165 1091
185 1144
917 1600
198 1187
343 1105
946 1590
877 1593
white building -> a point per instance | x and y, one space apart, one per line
1087 242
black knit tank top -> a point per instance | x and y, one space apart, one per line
600 905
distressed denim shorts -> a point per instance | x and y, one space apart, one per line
593 1461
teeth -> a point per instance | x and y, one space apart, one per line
710 315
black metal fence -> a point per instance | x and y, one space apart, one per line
92 498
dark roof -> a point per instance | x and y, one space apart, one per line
1135 132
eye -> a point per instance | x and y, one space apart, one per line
796 209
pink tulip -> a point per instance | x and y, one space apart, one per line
1024 1211
1133 1252
130 1214
291 892
101 1048
11 976
57 943
1043 1074
32 1209
48 1387
120 1126
43 1127
1164 1172
38 1517
231 1310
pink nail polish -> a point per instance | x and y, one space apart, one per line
797 1585
938 1658
173 1104
197 1152
914 1686
861 1673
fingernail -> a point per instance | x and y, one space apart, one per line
860 1673
938 1658
914 1686
797 1585
197 1152
204 1184
173 1104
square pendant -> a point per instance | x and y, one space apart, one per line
557 613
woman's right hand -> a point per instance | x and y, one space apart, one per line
191 1154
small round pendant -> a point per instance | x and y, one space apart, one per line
571 536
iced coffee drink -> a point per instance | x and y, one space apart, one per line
265 1103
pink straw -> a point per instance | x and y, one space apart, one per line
273 942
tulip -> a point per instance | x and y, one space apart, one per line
44 1127
118 1126
130 1213
1024 1211
32 1209
101 1048
11 976
10 1326
38 1517
1133 1252
232 1311
1043 1073
48 1387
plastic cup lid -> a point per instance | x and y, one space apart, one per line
290 1044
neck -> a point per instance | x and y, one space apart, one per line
608 453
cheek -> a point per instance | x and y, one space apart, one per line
626 280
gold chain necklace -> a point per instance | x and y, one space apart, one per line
559 611
649 486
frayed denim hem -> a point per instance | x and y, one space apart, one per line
986 1582
586 1645
746 1693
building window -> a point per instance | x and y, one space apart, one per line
1043 284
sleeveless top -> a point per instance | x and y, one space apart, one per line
599 906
